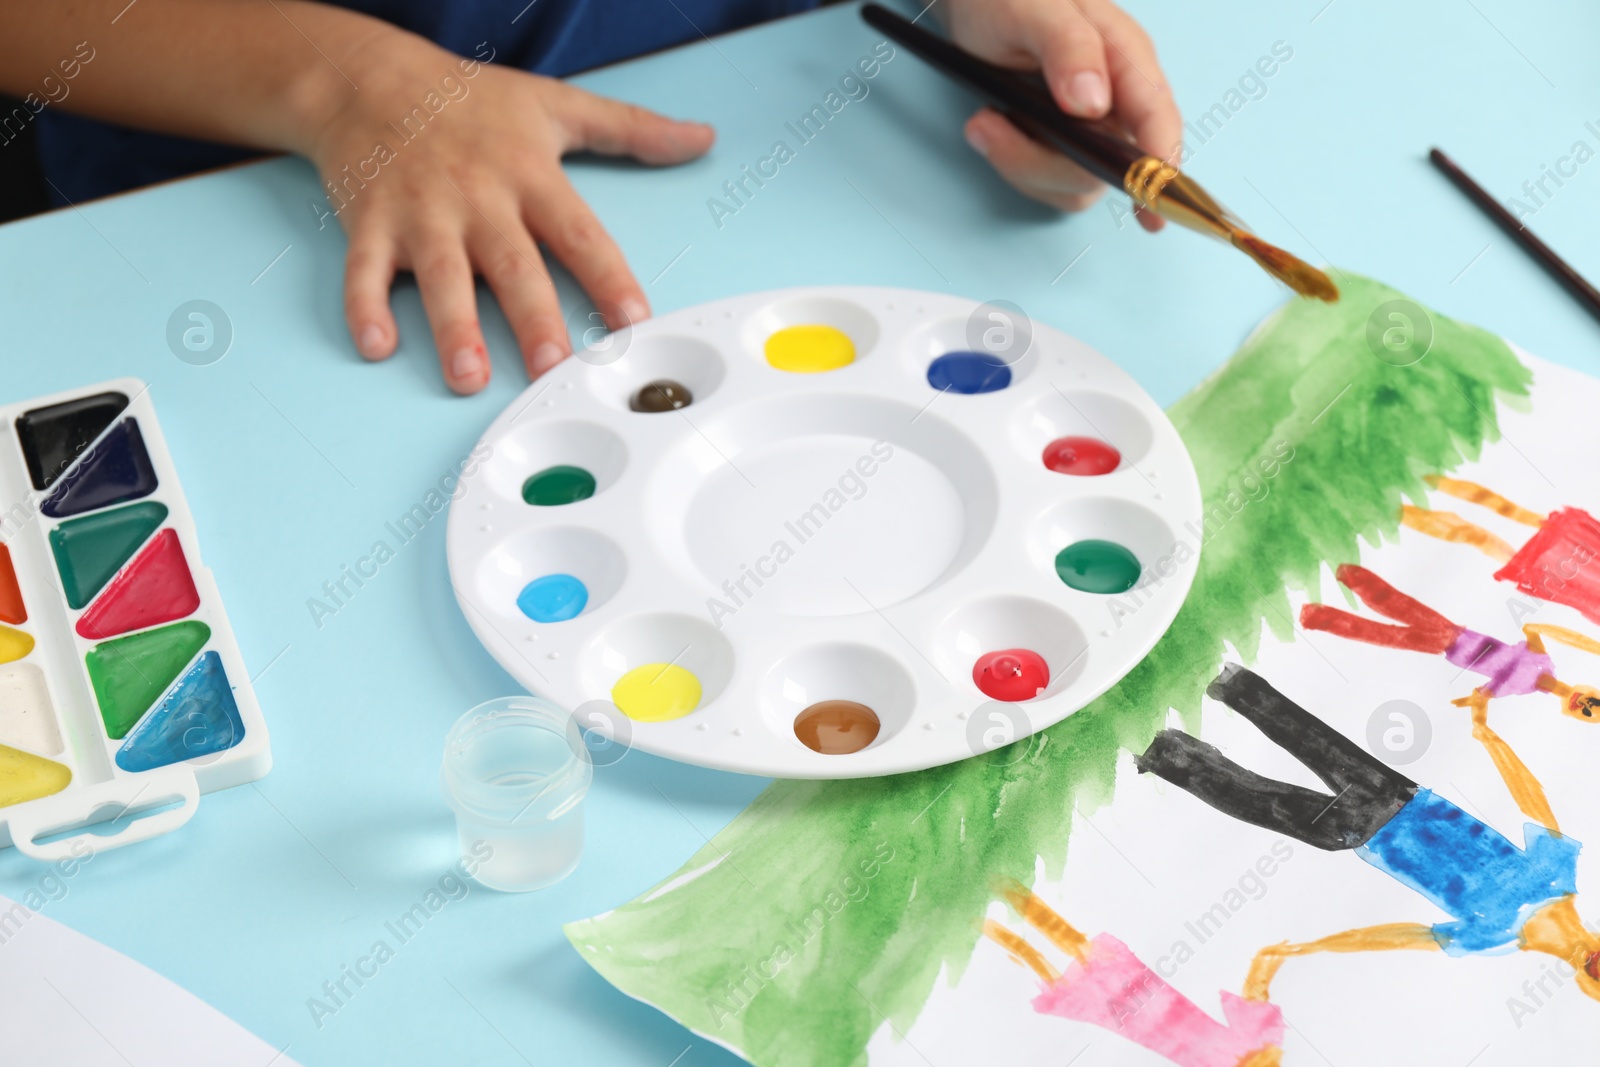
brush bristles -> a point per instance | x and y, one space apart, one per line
1297 274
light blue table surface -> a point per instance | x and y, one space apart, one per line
295 453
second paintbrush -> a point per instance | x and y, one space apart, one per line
1154 184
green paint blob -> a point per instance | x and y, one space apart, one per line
130 674
90 550
1098 567
1338 474
558 485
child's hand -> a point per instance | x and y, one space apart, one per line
476 190
1097 62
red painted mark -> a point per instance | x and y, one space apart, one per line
155 588
1011 675
12 609
1558 563
1421 628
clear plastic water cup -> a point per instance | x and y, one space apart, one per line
515 772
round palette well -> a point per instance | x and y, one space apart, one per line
841 539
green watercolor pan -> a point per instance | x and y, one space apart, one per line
122 691
827 532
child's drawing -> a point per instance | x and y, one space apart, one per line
1106 985
1553 564
1502 898
793 941
1507 670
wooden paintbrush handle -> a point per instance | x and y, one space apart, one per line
1023 99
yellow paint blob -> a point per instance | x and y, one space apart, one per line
656 692
14 644
24 777
810 349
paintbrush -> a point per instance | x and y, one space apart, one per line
1558 268
1102 150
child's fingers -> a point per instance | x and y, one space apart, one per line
368 274
570 229
1034 170
1144 102
613 128
509 260
444 276
1073 55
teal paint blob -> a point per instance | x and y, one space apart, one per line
1098 567
553 598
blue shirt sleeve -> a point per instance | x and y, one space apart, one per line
84 158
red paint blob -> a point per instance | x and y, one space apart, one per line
155 588
1012 675
1084 456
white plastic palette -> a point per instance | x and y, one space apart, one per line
854 534
121 687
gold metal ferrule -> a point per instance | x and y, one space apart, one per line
1146 178
1160 187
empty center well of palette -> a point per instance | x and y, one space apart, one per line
825 506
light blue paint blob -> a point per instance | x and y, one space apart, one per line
553 598
196 718
969 373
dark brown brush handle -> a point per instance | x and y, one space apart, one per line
1024 99
1559 269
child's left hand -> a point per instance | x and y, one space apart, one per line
1097 61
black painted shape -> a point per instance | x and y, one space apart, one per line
52 437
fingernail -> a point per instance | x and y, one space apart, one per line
547 355
465 363
1089 92
979 143
371 340
634 310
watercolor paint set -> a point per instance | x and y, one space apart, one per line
829 532
121 687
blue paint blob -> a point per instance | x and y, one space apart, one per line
116 469
196 718
969 373
553 598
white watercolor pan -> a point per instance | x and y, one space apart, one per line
122 692
866 534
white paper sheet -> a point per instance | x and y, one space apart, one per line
66 1000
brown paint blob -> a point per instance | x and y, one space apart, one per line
661 395
837 727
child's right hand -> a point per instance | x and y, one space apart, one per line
476 191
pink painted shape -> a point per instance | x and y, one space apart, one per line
156 587
1113 990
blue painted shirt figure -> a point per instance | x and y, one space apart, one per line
1472 871
84 158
